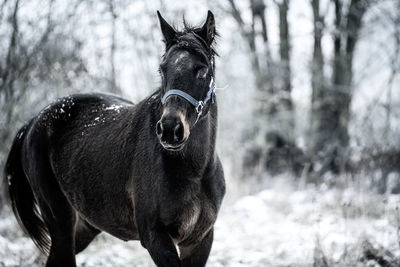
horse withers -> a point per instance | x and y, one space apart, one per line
93 162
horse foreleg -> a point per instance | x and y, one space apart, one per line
161 248
197 256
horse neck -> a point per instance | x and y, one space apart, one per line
200 148
203 134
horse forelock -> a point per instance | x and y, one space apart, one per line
189 39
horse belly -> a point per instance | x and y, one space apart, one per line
117 220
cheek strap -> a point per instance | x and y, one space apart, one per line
198 104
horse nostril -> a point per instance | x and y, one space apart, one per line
178 132
159 128
170 131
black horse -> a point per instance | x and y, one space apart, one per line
93 162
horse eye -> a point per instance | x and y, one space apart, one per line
201 72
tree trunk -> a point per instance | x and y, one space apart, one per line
264 77
331 104
7 78
113 82
317 76
284 86
274 108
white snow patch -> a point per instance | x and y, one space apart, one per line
279 226
20 134
114 107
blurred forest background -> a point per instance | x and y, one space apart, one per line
308 91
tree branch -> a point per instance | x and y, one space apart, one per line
355 15
10 64
238 17
2 6
338 27
40 43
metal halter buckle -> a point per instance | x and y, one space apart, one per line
199 107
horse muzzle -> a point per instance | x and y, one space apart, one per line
172 131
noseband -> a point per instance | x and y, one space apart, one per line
198 104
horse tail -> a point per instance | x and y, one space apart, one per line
19 193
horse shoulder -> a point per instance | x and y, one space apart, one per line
214 182
199 215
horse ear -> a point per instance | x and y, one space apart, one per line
166 29
208 29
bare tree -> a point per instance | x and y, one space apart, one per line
113 82
395 69
19 61
249 34
272 78
45 57
284 86
331 103
7 74
317 66
274 112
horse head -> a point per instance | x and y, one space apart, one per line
187 73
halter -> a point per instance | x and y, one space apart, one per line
198 104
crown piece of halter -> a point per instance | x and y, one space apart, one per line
198 104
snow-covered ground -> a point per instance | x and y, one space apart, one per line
279 226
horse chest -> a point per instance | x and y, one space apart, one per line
182 217
188 218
